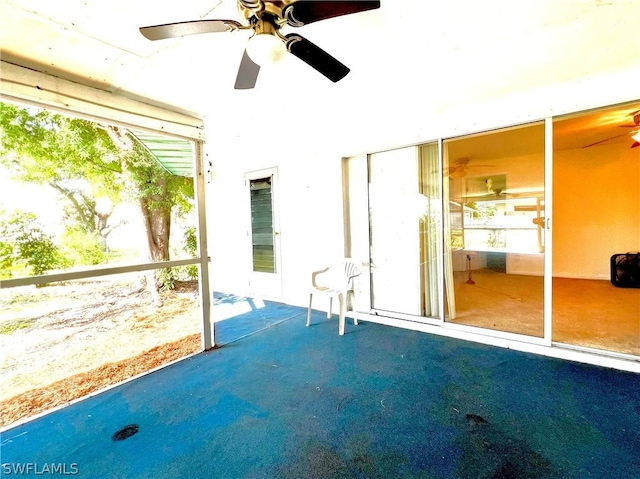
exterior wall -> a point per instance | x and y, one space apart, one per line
309 207
308 156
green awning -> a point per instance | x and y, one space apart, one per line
175 155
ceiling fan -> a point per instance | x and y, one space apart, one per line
494 188
267 44
635 135
460 167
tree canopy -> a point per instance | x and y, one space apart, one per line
85 161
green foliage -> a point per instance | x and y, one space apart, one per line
156 188
455 240
166 278
191 271
75 157
482 210
84 248
25 246
12 326
84 160
45 147
7 258
190 246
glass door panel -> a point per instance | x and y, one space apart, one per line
264 258
495 230
596 214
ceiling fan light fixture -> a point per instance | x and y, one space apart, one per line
636 136
266 49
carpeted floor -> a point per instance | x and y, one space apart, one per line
297 402
589 313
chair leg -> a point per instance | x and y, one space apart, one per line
330 307
353 308
343 307
309 311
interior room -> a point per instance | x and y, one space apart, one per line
496 204
596 214
498 229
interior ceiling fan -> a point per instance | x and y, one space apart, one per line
460 167
635 135
494 187
268 45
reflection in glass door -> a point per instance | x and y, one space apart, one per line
404 228
495 230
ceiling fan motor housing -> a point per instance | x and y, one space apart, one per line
256 9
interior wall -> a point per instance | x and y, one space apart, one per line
596 212
524 173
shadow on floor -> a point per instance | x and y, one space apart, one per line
236 317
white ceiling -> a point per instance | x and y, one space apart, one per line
409 56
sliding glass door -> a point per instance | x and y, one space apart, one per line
460 232
596 177
495 230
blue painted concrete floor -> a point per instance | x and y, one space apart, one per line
294 402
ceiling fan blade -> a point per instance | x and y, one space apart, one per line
316 57
304 12
605 140
181 29
247 73
635 144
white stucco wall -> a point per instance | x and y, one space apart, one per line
309 209
307 147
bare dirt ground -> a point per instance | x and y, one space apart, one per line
59 343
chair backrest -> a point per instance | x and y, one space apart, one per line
351 270
339 275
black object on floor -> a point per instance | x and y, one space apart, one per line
625 270
125 433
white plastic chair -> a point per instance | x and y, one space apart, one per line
336 280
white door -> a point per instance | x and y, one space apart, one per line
395 232
265 278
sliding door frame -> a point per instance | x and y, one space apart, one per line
440 321
548 232
545 340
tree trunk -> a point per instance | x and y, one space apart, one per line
157 224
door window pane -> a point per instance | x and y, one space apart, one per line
262 226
